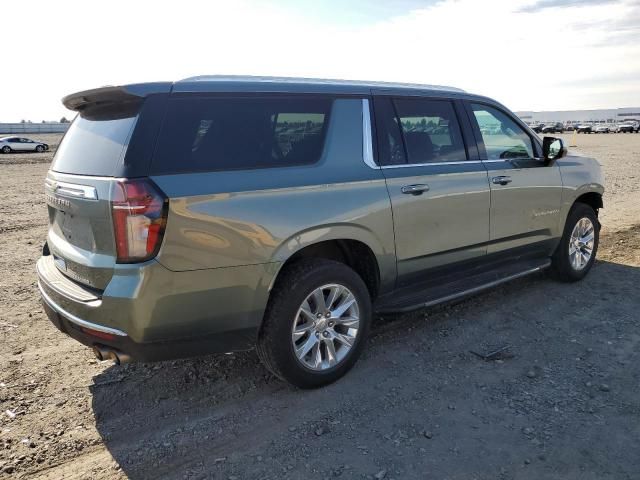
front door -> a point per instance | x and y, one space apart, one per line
439 192
27 145
526 195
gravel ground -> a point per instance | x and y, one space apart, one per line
560 402
619 154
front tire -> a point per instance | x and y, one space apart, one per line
316 323
578 246
6 149
39 149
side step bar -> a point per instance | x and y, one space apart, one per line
429 297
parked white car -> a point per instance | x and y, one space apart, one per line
628 127
602 129
21 144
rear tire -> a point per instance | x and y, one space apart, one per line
578 246
294 321
6 149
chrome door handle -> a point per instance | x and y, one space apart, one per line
416 189
501 180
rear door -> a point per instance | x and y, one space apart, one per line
525 194
439 191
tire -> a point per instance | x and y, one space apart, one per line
276 346
565 265
39 149
6 149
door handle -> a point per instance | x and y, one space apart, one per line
501 180
416 189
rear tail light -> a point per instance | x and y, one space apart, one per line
139 210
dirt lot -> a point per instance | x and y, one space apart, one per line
563 403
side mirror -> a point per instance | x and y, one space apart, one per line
553 149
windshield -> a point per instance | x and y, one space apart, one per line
97 140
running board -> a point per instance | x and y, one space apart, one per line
406 300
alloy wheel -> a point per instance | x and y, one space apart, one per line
325 327
581 243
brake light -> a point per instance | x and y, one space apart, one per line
139 210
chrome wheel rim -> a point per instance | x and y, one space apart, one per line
581 243
325 327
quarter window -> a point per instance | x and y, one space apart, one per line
502 136
234 133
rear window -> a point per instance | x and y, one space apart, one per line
235 133
97 140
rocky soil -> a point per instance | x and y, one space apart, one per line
561 401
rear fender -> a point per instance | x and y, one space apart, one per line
305 238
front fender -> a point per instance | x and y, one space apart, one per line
580 175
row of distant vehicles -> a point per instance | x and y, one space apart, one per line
626 127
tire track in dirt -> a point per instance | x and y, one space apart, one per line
21 227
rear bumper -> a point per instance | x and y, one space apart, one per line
147 352
150 313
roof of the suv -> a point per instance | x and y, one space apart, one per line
291 84
247 84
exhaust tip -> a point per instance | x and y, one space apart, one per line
103 353
122 358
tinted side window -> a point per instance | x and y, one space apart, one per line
502 136
430 129
234 133
390 145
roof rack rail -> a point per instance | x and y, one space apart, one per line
316 81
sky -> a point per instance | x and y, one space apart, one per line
527 54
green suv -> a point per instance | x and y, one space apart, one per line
221 213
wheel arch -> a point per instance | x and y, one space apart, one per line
354 246
593 199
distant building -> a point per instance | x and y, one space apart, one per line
607 115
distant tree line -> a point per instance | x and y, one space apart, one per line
62 120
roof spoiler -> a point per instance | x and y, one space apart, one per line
114 94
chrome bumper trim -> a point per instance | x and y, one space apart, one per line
78 321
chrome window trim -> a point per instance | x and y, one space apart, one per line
78 321
507 160
367 137
73 190
407 165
